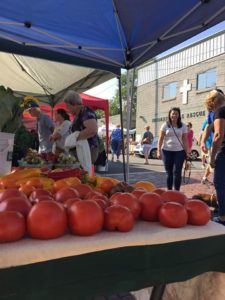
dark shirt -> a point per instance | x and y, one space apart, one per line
148 136
85 114
220 114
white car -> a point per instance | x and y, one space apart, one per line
138 149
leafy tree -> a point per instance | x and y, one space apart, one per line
114 103
114 106
99 113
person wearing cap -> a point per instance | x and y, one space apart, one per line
45 125
85 121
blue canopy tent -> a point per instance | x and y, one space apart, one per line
103 34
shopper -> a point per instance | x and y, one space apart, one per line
85 121
173 146
61 131
215 102
45 124
146 141
116 142
206 156
190 135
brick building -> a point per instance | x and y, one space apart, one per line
181 79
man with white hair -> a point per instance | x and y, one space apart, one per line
85 121
45 125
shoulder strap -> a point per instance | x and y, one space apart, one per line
177 137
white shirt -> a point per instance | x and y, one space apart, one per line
64 130
170 141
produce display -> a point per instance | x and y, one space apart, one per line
44 204
33 158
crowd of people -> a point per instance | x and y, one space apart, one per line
54 135
174 143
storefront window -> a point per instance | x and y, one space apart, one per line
206 79
170 90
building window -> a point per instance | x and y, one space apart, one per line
170 90
206 79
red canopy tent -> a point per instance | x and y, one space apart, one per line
90 101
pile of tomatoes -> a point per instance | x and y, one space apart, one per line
81 209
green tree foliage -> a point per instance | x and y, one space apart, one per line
11 111
99 113
114 103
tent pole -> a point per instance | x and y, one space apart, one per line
130 94
121 121
128 124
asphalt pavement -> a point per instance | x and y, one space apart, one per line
155 173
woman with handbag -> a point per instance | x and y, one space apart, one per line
173 146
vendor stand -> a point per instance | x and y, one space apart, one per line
73 267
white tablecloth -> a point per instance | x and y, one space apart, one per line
29 251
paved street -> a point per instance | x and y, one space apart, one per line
155 173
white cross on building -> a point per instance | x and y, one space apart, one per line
184 90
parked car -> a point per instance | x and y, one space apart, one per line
138 149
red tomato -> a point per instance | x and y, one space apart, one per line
159 191
12 226
26 189
198 212
47 220
42 198
119 218
172 214
18 204
66 193
128 200
39 193
174 196
70 201
150 205
9 193
102 203
101 196
114 195
83 189
85 218
92 194
35 182
138 192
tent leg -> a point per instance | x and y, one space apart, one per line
130 92
157 292
128 125
121 121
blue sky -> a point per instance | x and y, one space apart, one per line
107 90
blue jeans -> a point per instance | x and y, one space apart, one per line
173 163
219 181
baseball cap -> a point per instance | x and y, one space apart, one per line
30 104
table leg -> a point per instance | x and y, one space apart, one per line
157 292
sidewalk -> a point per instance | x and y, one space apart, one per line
156 174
